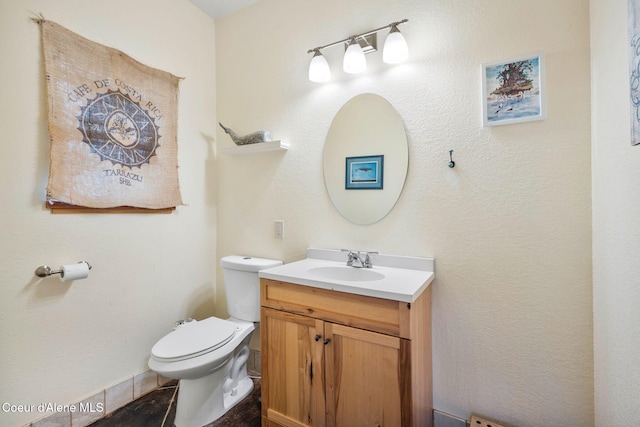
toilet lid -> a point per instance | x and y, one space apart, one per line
194 339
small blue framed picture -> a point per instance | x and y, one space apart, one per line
364 173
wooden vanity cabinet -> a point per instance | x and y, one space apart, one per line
337 359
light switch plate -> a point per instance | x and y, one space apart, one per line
279 229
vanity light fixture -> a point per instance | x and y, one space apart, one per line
354 61
395 51
395 47
319 68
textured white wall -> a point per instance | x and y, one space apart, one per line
616 235
510 226
60 342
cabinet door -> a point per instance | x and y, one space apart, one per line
368 378
292 369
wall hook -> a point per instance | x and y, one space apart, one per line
451 162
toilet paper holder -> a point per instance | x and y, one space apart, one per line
45 270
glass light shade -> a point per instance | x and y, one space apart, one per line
354 60
319 68
395 47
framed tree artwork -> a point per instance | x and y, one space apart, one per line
513 90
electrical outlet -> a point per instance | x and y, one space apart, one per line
481 422
279 229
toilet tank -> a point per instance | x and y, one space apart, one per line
242 285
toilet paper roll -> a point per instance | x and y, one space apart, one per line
74 271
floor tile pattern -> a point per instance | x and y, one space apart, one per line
158 409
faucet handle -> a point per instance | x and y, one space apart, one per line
367 260
350 256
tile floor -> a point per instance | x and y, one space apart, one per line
158 409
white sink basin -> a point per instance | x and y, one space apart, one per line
394 277
346 273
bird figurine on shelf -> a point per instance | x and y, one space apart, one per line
252 138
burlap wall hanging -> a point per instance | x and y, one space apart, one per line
112 124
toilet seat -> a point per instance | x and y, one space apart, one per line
194 339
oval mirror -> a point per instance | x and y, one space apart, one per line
365 159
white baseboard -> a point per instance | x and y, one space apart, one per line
442 419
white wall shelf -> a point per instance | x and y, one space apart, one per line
255 148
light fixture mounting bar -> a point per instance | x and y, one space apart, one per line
357 36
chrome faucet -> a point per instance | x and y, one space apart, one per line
354 259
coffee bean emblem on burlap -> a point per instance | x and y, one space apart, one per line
118 129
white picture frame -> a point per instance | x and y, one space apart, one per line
513 90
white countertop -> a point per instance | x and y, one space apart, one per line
404 278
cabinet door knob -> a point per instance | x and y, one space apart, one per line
327 341
318 337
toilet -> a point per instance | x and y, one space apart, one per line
209 357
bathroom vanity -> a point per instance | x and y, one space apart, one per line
346 347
